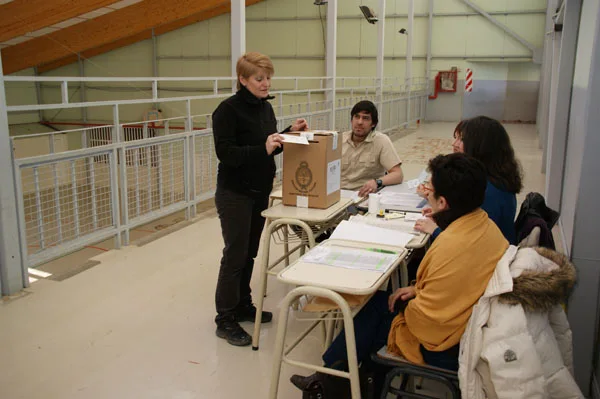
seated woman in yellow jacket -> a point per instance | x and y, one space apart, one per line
452 277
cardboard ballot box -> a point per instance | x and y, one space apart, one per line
311 172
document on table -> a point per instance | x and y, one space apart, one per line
400 199
413 216
290 138
414 183
352 258
398 224
355 231
353 195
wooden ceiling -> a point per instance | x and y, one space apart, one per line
93 36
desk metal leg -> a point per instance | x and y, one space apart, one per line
262 285
286 245
265 266
279 357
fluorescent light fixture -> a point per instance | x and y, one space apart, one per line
369 14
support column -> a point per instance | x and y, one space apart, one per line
330 58
238 35
409 55
565 45
429 41
155 63
13 271
380 57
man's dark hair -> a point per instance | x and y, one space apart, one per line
486 139
461 180
369 108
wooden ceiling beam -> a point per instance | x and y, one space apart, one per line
159 30
24 16
102 30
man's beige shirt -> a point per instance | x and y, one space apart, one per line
367 160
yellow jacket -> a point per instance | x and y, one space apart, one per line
452 277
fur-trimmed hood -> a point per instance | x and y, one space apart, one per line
542 278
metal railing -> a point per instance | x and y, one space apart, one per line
92 183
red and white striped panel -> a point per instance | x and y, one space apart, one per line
469 81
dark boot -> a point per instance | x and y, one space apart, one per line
248 313
233 333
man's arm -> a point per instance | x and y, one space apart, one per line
394 176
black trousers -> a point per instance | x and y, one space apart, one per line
241 226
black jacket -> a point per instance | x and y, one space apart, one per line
241 125
535 213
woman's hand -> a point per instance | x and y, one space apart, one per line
299 125
427 212
273 142
426 225
404 294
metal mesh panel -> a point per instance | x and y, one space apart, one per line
99 136
155 177
66 200
205 164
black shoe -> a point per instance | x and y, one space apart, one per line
323 385
248 313
233 333
310 382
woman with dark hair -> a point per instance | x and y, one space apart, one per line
486 139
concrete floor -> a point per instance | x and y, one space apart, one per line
138 323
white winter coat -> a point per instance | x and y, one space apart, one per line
518 341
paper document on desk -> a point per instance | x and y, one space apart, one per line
353 195
391 199
414 183
354 231
290 138
398 224
351 258
413 216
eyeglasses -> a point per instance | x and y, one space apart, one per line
427 186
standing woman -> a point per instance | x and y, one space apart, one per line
246 141
486 139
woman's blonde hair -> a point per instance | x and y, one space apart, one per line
251 63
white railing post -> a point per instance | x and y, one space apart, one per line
409 56
380 57
116 130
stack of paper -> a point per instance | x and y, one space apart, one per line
398 224
355 231
391 199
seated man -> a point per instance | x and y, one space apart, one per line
452 277
368 154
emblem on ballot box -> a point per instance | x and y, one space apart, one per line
303 178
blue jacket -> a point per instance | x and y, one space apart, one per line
501 207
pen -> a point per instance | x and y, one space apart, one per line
383 251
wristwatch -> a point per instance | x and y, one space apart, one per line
379 183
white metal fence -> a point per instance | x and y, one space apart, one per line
92 183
